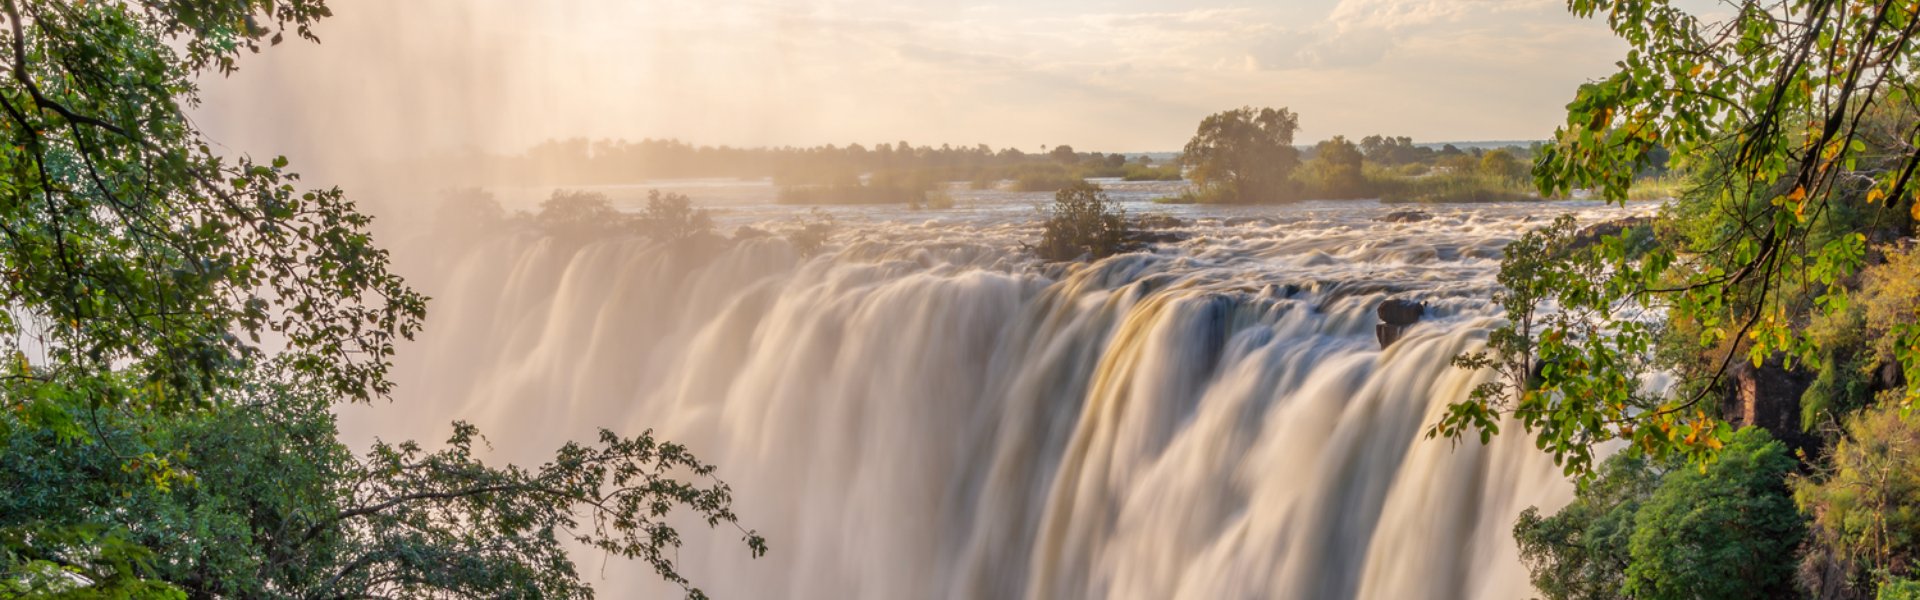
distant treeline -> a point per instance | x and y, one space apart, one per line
581 161
1377 166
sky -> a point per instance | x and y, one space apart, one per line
417 77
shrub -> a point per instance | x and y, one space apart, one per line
1865 525
1083 222
811 232
569 213
1581 552
672 218
939 199
1142 172
1725 530
1651 530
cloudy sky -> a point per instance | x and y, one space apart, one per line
420 76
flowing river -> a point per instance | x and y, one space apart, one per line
926 411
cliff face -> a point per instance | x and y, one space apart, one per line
1768 397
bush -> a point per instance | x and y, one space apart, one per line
1900 589
1456 187
1141 172
1652 530
1083 223
1727 530
811 232
1866 527
672 218
1051 179
939 200
571 214
1581 552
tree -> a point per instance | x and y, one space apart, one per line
1797 119
1244 155
672 218
1083 223
1725 530
573 214
1582 552
1865 530
1064 154
1336 170
260 500
1502 164
151 444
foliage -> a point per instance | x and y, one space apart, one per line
1661 529
151 445
1797 116
259 500
1865 503
1582 552
1045 179
672 218
129 245
1083 223
1900 589
1857 356
1725 530
1144 172
572 214
1501 164
1450 187
1335 171
811 233
1244 155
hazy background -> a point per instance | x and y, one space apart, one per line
416 77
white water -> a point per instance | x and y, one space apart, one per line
925 412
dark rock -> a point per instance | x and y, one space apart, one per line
1768 397
1137 238
1388 334
1158 221
1401 312
1396 316
1592 234
1238 221
1407 216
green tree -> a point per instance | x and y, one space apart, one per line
1335 172
151 445
1244 155
1083 223
1725 530
1502 164
1582 552
259 500
1776 109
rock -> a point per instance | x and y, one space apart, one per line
1396 316
1138 238
1407 216
1158 221
1401 312
1592 234
1238 221
1768 397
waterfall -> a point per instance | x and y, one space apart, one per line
921 413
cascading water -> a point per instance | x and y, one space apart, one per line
924 412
